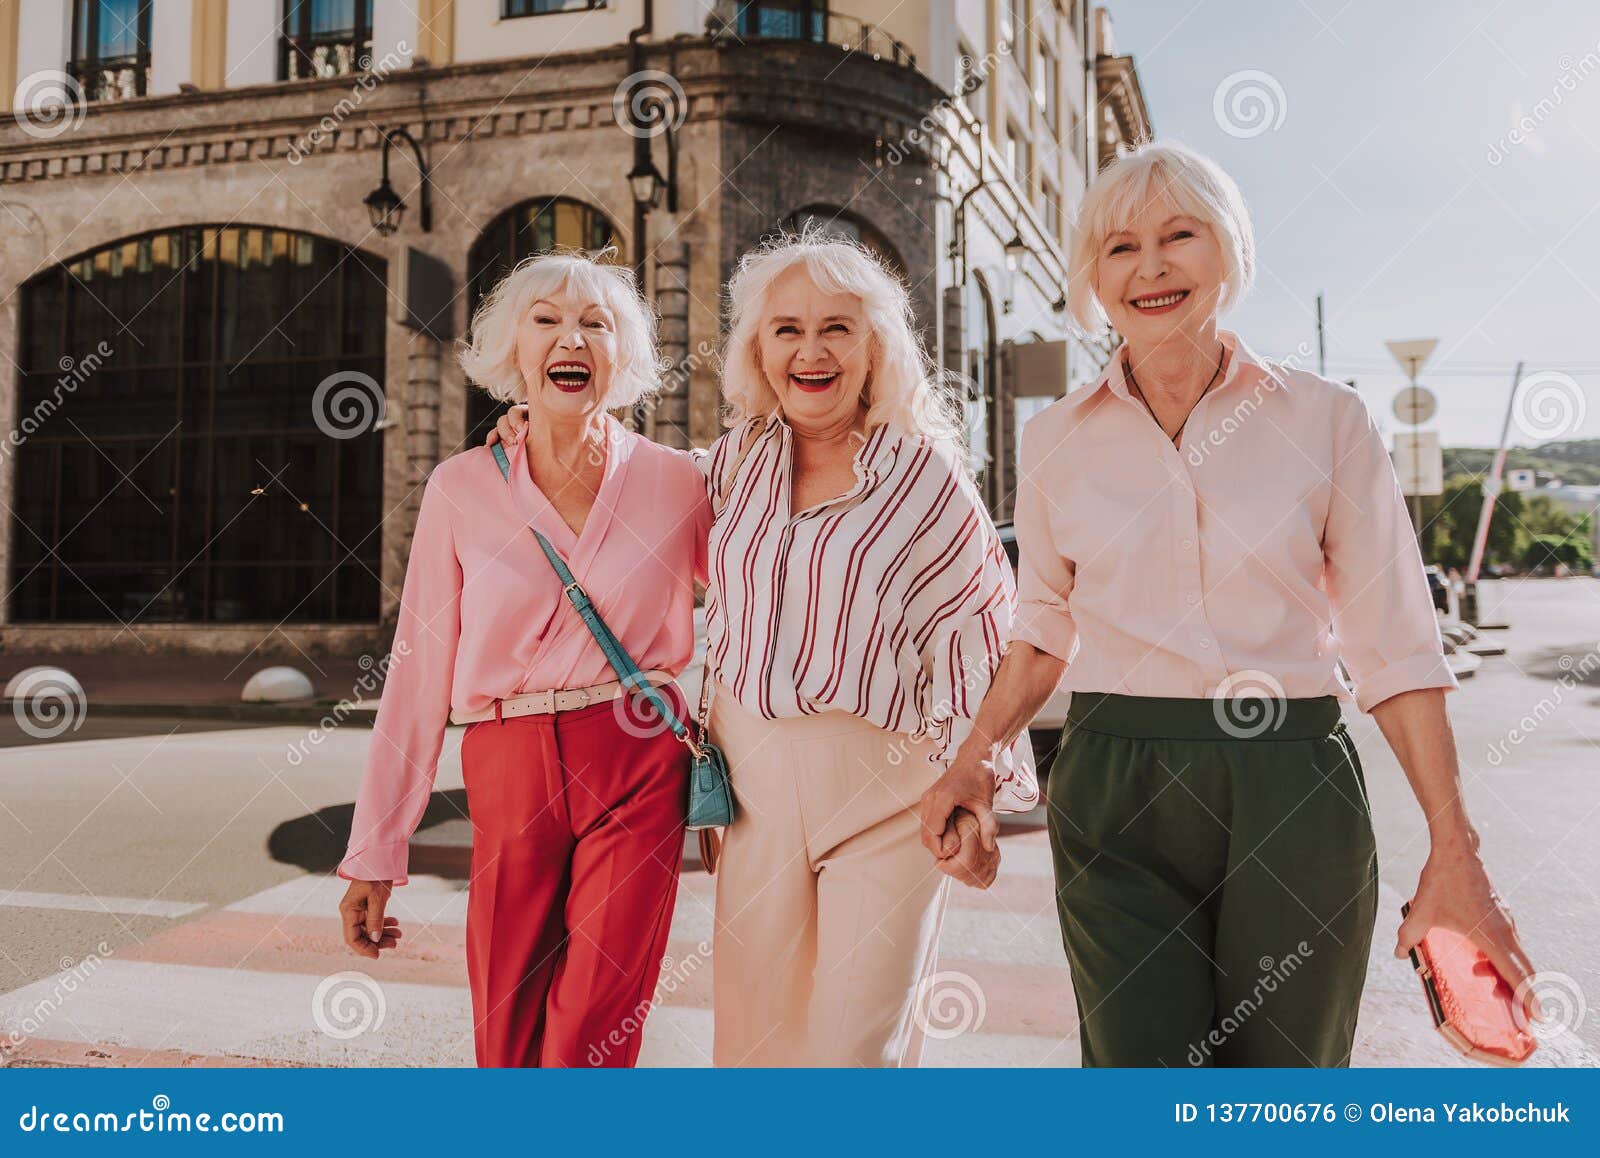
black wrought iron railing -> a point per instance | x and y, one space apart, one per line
741 22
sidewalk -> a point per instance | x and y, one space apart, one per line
205 687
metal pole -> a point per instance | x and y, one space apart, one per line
1491 489
1416 466
1322 352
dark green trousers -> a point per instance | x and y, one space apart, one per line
1216 880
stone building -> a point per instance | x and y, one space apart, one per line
241 239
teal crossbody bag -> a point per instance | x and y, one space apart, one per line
710 793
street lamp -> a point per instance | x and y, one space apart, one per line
647 184
1016 250
384 205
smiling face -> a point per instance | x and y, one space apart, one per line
1160 276
815 351
566 349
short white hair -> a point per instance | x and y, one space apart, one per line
904 390
490 357
1193 182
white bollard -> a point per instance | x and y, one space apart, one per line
275 685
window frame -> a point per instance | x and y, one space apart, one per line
302 42
530 9
86 33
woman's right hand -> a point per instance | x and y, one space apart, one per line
511 427
366 929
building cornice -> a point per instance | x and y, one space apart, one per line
303 120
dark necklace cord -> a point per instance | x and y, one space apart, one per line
1134 382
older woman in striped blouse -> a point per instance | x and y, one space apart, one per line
858 601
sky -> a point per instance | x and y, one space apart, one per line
1377 144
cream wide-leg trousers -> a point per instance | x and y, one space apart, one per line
828 906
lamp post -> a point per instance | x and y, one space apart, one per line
1016 252
384 205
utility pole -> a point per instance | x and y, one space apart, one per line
1322 351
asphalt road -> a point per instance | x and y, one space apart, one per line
118 837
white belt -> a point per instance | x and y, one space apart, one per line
548 703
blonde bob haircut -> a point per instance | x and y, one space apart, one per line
1192 182
490 357
903 390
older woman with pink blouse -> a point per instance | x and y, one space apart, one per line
857 603
577 808
1203 535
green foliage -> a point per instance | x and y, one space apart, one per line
1576 462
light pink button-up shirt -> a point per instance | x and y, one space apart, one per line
1274 542
483 616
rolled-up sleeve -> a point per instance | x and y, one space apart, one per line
1044 577
403 756
1383 618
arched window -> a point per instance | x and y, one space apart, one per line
537 226
178 462
838 223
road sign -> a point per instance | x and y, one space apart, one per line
1411 354
1415 405
1419 463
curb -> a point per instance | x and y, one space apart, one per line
308 712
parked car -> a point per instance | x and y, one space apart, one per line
1438 587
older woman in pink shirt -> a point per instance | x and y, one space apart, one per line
1203 534
577 806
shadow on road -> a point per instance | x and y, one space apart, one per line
441 847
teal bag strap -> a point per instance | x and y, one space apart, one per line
621 662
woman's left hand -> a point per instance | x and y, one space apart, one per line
1455 893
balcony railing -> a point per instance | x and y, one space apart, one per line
741 23
112 78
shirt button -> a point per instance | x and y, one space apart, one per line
1187 544
1193 599
1205 644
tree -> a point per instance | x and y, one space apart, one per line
1450 520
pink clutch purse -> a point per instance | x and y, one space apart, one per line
1472 1005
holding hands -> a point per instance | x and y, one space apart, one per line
958 822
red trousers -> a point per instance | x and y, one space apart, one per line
577 841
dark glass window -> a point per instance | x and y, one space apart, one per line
325 38
111 48
533 227
172 467
784 19
509 9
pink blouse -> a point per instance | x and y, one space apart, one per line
483 616
1274 542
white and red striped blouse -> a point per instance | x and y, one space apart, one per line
892 602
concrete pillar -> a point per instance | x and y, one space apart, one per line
671 417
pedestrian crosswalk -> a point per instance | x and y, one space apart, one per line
267 981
